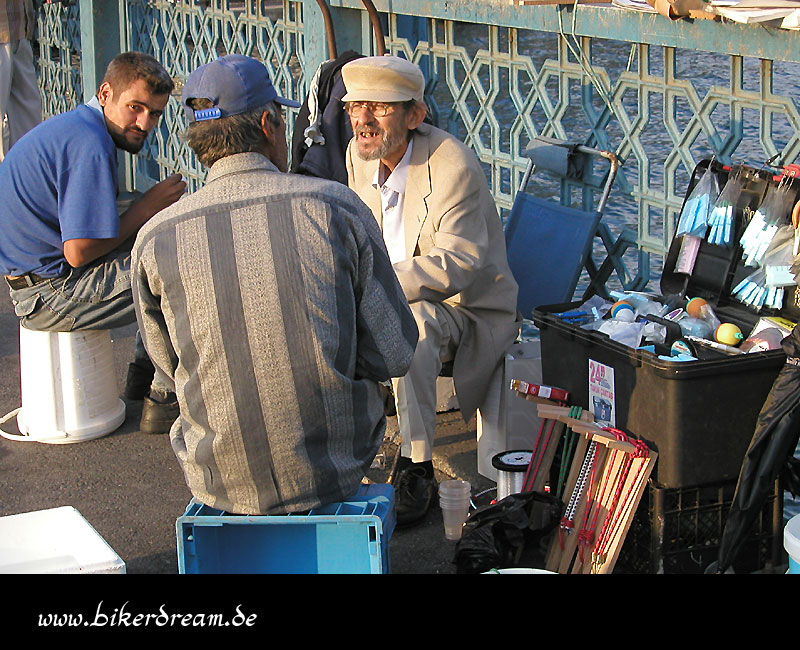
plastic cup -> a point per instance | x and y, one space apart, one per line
454 518
454 488
454 501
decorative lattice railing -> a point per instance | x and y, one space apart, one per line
660 94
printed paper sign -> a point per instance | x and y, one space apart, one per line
601 393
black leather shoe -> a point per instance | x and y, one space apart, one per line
158 416
414 495
137 384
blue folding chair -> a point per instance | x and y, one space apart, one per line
548 244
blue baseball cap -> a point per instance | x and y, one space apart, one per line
234 84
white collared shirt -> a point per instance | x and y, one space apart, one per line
392 191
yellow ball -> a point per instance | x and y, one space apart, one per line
729 334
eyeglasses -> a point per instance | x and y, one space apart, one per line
378 109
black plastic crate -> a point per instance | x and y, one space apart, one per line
679 531
699 416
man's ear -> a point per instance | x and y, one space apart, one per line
104 93
267 127
416 115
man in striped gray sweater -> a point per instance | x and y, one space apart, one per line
270 301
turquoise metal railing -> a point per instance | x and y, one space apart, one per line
185 35
660 94
59 46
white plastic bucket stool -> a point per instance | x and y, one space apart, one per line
791 542
69 387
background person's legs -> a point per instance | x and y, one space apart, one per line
20 102
97 296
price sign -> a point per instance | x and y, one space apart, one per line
601 393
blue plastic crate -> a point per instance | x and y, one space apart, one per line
348 537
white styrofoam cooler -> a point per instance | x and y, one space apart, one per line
507 422
58 540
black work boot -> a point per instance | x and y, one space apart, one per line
415 491
159 412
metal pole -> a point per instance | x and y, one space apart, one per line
101 41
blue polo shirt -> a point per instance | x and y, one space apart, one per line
58 182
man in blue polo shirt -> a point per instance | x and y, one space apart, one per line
64 247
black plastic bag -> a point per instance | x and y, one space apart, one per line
769 456
509 533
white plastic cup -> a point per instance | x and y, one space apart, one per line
454 518
454 501
455 487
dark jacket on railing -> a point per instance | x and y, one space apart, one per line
324 158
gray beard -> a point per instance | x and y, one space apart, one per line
388 145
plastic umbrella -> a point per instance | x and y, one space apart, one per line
769 455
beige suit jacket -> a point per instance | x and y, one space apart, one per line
456 251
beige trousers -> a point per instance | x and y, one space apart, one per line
440 326
20 102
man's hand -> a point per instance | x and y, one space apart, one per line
163 194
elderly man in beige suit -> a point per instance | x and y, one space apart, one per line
445 240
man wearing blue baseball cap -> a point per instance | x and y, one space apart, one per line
270 300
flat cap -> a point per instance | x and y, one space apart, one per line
382 79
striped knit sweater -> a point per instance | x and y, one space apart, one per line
270 300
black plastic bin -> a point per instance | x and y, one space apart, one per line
699 416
